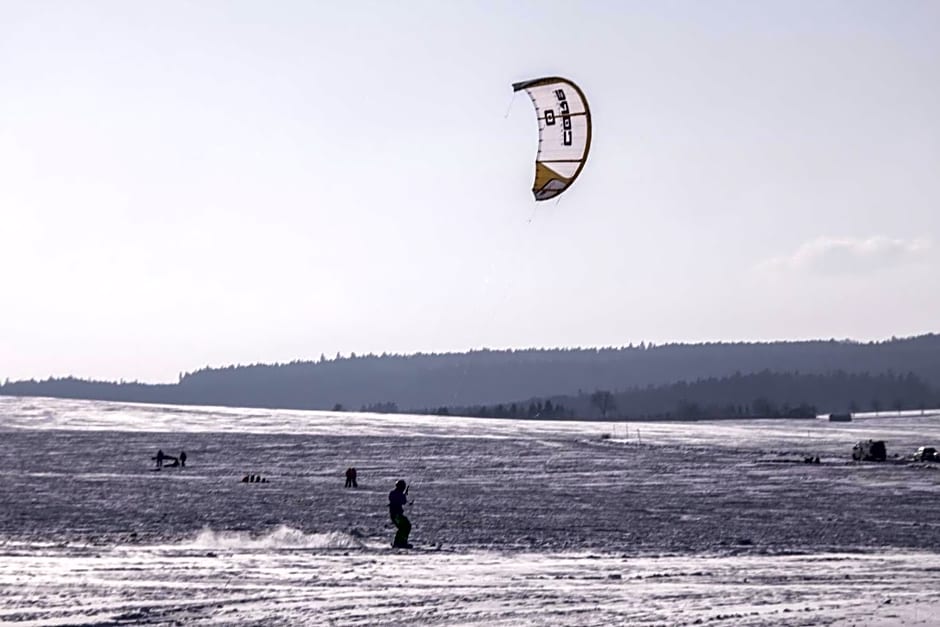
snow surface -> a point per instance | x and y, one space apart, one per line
516 522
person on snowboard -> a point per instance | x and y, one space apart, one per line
397 499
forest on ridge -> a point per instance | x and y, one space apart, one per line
719 379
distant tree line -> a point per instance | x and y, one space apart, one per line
378 408
534 410
638 379
759 395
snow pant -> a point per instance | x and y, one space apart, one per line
404 528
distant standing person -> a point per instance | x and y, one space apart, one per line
182 458
160 456
351 478
397 499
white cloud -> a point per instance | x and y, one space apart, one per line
846 255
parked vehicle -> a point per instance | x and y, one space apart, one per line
927 454
870 451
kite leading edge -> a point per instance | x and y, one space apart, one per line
564 133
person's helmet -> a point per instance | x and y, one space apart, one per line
400 484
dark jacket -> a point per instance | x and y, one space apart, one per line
396 503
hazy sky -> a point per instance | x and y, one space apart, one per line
204 183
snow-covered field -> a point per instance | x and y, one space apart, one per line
515 522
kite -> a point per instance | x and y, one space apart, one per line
564 133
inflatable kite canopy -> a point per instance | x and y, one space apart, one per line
564 133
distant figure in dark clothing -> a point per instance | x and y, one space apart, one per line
182 458
160 456
397 499
351 478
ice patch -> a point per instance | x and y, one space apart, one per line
283 537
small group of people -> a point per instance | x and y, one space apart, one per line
397 498
351 478
170 460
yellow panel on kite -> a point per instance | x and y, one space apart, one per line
564 133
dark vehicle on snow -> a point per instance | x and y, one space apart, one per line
870 451
926 454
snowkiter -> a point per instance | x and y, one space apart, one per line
397 499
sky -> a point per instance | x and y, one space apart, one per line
191 184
